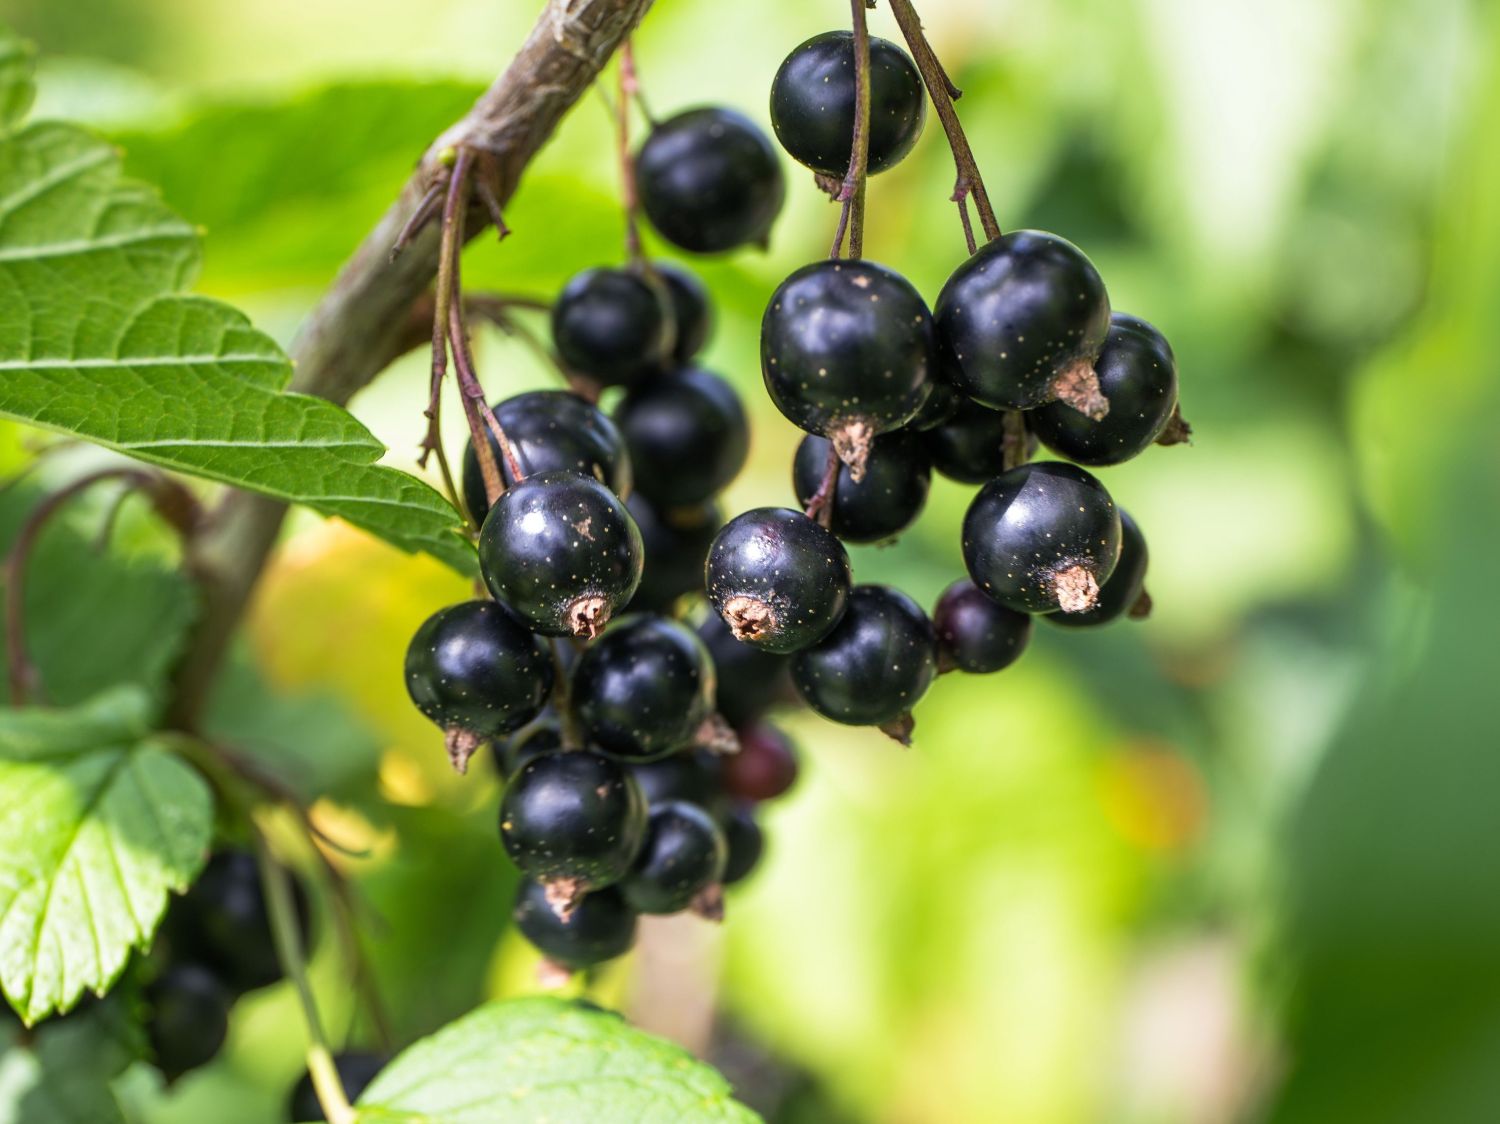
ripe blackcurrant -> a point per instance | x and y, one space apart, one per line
764 768
574 821
477 672
356 1069
812 103
746 841
509 754
1042 537
975 633
562 552
676 544
694 775
1025 318
687 435
751 681
189 1017
1125 591
874 666
551 430
970 446
1138 378
612 325
709 181
692 314
684 855
643 689
779 580
884 503
599 928
846 349
223 922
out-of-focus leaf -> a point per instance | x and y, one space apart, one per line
63 1074
16 87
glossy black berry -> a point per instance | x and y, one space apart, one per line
1042 537
970 446
542 736
573 820
1025 318
746 842
477 672
1125 591
709 181
687 434
551 430
188 1017
223 922
612 325
694 775
975 633
599 928
684 854
676 544
764 768
1138 378
846 349
812 103
356 1069
882 504
876 663
643 689
779 580
751 681
562 552
692 313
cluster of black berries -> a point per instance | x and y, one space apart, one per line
1021 345
633 746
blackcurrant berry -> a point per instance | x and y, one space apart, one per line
764 768
1125 591
975 633
970 446
356 1069
1025 318
477 672
709 181
551 430
1138 378
941 404
812 103
612 325
684 855
189 1017
874 666
884 503
676 544
779 580
692 314
746 842
573 820
687 435
751 681
644 688
561 552
223 922
694 775
509 754
600 927
846 349
1042 537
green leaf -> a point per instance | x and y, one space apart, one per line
96 341
64 1074
547 1059
97 822
16 87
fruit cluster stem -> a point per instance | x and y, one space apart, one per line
851 194
630 197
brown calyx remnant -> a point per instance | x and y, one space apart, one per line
587 616
461 745
1142 607
708 903
552 975
1076 589
830 186
1077 385
563 895
1176 431
900 728
749 618
851 441
717 736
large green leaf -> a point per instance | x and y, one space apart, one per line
547 1059
97 341
15 77
97 822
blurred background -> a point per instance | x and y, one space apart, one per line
1237 862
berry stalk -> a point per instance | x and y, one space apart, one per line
629 90
852 191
